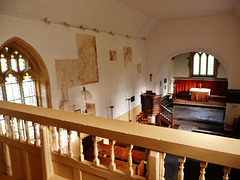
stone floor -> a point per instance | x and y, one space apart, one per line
190 117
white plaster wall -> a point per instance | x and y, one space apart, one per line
221 71
52 42
167 72
218 35
181 68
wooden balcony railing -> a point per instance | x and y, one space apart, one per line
166 115
55 134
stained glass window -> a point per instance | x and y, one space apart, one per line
1 93
12 89
3 124
4 66
1 116
22 64
29 90
19 88
14 63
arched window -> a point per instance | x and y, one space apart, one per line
203 65
23 79
19 86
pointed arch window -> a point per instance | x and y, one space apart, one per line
12 89
17 83
203 65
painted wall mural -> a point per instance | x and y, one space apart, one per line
139 67
84 70
127 51
113 55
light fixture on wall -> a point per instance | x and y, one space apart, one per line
96 30
82 27
46 21
111 107
111 33
66 24
84 92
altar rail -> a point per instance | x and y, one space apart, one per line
206 148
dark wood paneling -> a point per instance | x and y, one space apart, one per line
233 96
217 87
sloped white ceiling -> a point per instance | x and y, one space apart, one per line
106 15
125 17
172 9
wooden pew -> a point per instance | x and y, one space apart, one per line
121 157
121 152
123 165
141 118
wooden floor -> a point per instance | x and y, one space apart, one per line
210 103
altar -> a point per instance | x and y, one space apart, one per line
199 94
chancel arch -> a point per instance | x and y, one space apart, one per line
23 68
206 86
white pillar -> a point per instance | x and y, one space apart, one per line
153 165
47 164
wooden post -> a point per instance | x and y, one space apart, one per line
161 165
60 140
172 111
28 140
50 138
226 172
152 165
77 174
47 164
95 151
70 153
35 134
1 129
7 159
130 169
20 130
203 166
81 155
12 128
181 168
26 165
6 126
112 165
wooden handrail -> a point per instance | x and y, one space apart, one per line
166 109
208 148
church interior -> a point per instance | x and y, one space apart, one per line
119 89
